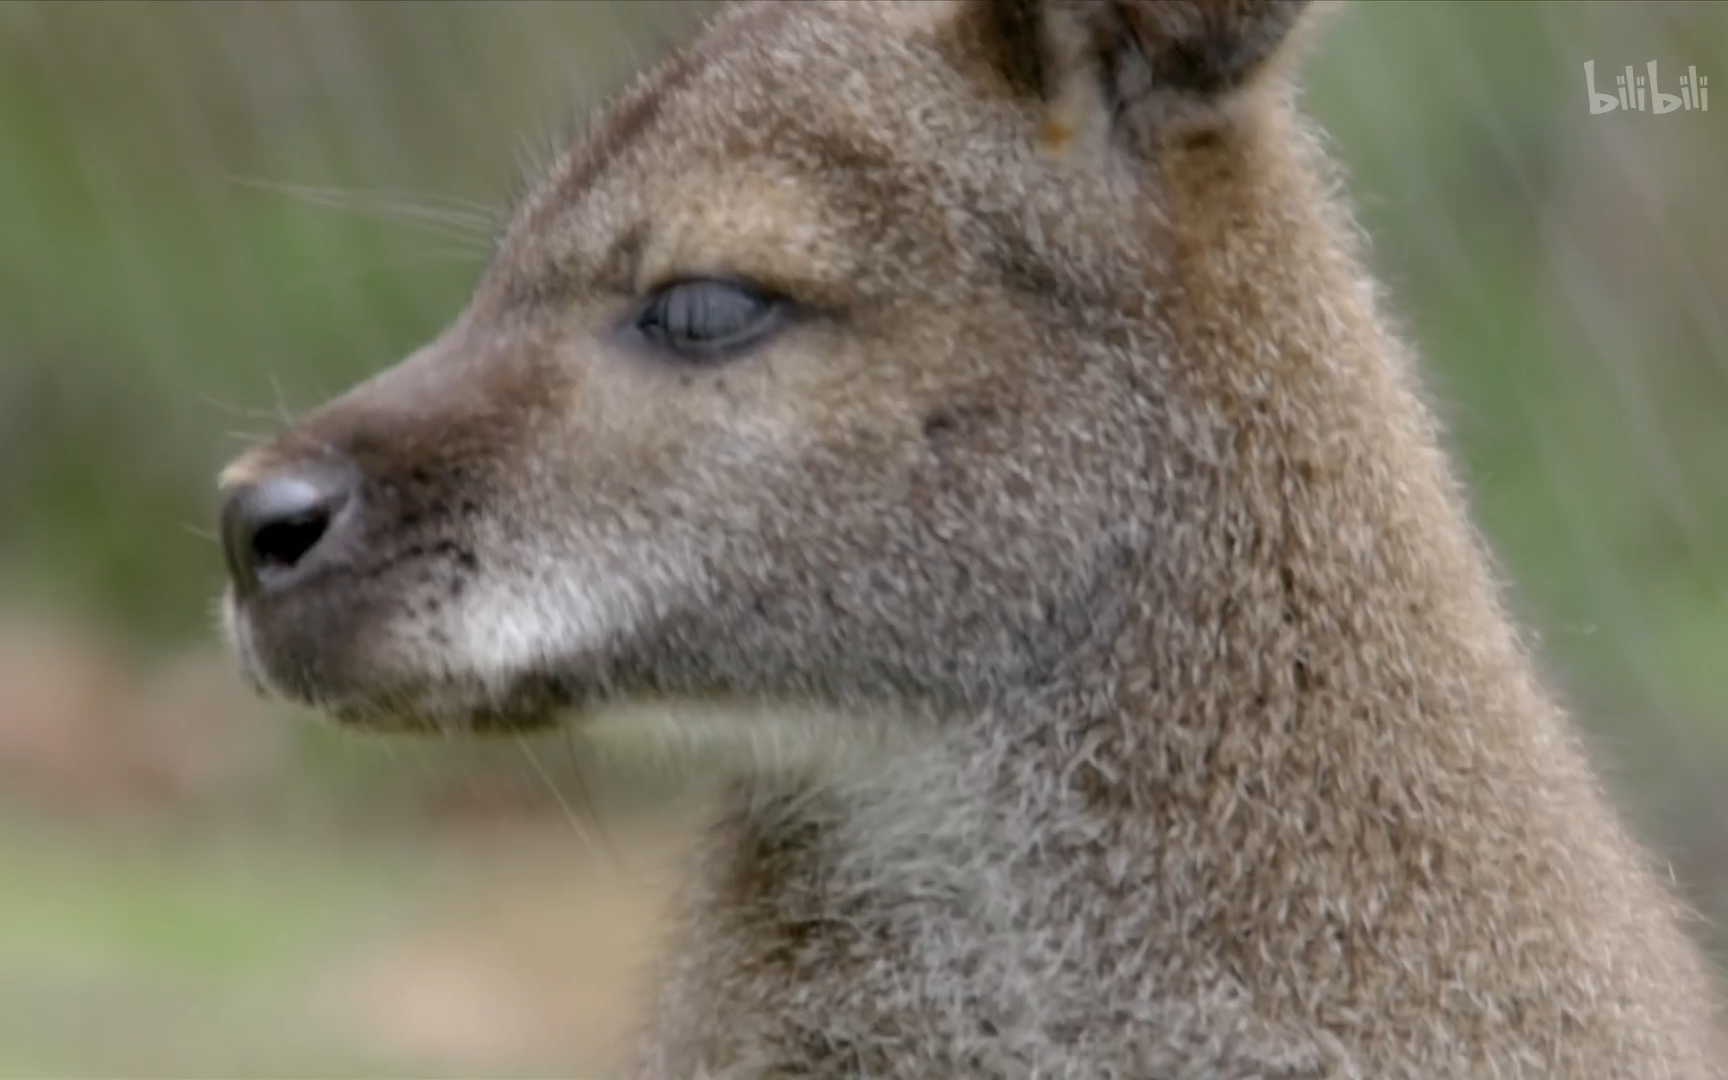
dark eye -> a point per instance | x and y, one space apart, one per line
708 319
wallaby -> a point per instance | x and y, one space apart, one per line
972 427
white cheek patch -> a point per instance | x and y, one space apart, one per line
506 626
553 608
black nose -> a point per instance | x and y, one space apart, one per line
277 524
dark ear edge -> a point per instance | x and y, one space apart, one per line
1205 48
1136 51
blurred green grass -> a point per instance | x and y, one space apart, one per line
1561 274
152 954
145 947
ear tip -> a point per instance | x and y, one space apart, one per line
1198 51
1212 46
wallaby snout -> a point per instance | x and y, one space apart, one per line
352 537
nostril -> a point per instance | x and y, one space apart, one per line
276 524
282 544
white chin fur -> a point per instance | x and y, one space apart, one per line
237 632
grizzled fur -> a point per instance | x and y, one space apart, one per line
1079 554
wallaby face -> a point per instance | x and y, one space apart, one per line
1001 377
776 388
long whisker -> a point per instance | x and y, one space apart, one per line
451 217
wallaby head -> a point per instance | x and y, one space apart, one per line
1000 376
842 363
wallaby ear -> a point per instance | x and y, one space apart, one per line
1132 58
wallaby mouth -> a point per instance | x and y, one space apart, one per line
338 600
292 668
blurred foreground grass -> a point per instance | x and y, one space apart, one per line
118 961
505 953
192 886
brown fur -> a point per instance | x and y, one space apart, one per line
1086 490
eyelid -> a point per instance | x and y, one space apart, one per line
769 317
716 277
767 293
